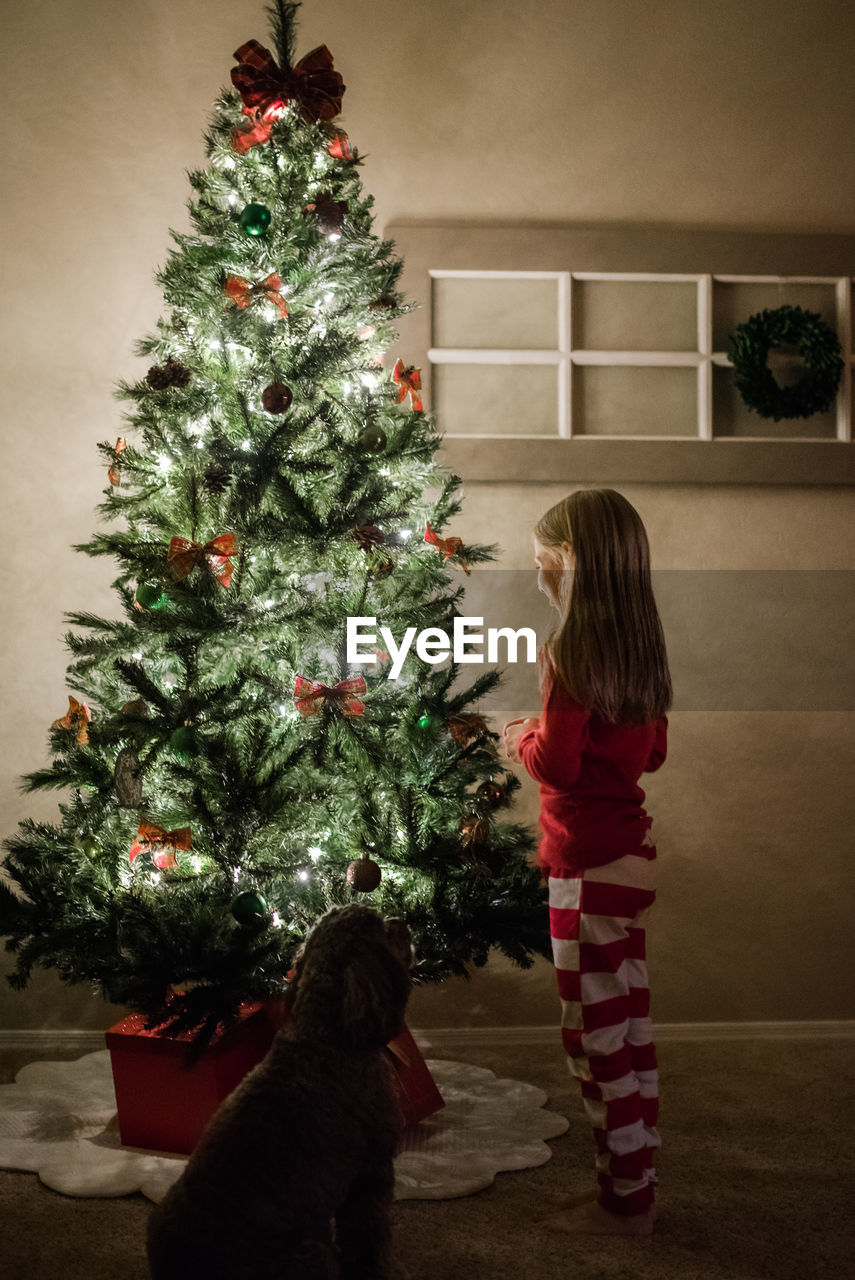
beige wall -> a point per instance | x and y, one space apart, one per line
721 115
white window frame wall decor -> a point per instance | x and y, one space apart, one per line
565 356
578 254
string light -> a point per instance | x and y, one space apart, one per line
137 656
315 853
302 875
277 921
164 462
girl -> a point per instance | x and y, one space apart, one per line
606 688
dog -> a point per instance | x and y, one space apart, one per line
293 1178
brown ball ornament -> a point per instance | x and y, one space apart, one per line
364 874
136 709
277 398
492 793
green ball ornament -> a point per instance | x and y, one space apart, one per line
89 845
250 907
150 597
183 741
372 439
255 219
426 720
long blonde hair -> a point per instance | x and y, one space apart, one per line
608 649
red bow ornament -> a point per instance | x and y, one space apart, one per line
76 717
162 844
409 381
242 292
184 556
309 696
450 546
464 727
258 127
114 475
312 83
340 148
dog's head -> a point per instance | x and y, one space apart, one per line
352 978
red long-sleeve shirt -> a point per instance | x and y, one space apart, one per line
590 801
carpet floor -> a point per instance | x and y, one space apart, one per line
755 1183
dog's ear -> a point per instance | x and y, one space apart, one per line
358 1005
374 990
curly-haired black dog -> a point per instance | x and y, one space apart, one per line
293 1177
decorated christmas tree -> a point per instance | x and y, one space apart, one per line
227 775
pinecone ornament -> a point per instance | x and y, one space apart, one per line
329 212
171 374
216 478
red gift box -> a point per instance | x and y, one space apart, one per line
418 1096
164 1105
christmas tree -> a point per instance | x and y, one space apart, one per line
228 775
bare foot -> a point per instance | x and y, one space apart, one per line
555 1203
591 1218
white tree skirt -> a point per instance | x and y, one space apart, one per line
59 1120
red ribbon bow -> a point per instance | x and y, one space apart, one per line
308 696
242 292
76 717
149 836
409 382
340 148
258 128
184 556
451 546
464 727
114 475
312 82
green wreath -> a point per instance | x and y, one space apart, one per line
819 346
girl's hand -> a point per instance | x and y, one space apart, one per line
512 733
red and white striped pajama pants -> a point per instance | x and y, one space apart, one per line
597 922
